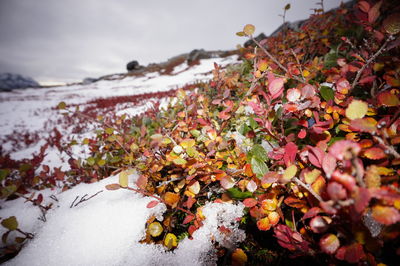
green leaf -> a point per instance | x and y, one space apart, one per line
253 123
195 133
61 105
258 152
259 167
287 7
90 161
180 161
8 190
4 173
235 193
10 223
330 59
109 130
327 93
244 129
25 167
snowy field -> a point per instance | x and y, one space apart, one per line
106 229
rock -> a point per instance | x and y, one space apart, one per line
198 54
9 81
88 81
133 65
259 38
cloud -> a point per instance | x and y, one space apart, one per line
72 39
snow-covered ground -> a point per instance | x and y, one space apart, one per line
106 229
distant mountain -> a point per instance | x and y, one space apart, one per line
9 81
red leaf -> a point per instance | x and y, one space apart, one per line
385 215
39 199
329 164
250 202
336 191
352 253
329 243
192 229
188 219
152 204
302 134
315 155
276 88
344 149
311 213
364 6
290 153
361 199
374 13
289 239
345 179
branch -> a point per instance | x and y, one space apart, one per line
83 199
274 59
308 188
372 58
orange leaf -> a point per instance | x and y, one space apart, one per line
385 215
388 99
239 258
367 124
113 186
374 153
171 199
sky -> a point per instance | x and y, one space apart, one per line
69 40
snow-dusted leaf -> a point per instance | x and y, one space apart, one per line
329 243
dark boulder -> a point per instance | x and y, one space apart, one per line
133 65
198 54
9 81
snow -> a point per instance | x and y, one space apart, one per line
106 229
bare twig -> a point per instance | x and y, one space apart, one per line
372 58
308 188
389 148
83 199
298 63
274 59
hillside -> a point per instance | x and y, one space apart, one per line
286 153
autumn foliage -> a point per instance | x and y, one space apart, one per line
304 133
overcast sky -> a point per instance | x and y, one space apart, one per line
68 40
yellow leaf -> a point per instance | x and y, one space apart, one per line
155 229
187 143
311 176
249 29
262 65
195 187
170 241
289 173
123 179
356 109
239 258
306 73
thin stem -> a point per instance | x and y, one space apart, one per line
372 58
308 188
274 59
